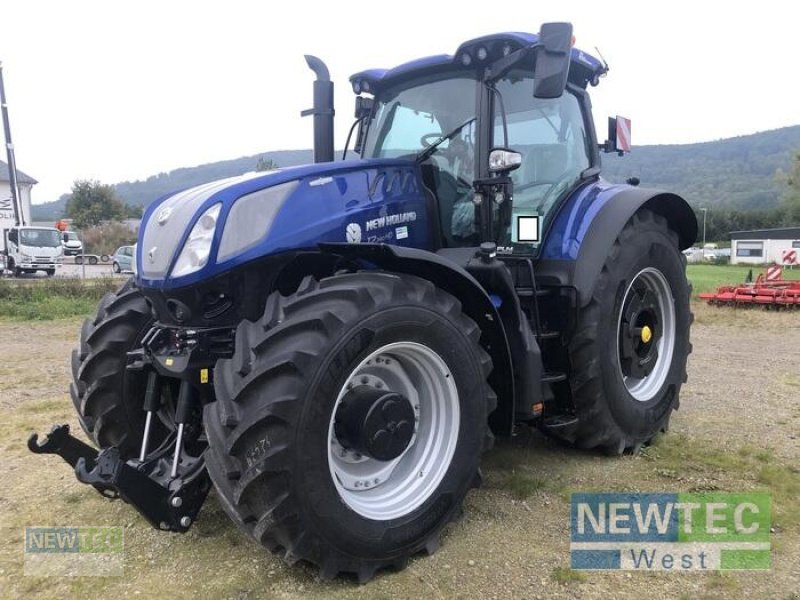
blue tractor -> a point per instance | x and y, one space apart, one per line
333 347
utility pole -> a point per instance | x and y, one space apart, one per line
19 218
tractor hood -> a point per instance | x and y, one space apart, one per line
201 232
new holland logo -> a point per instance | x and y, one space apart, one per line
390 220
353 233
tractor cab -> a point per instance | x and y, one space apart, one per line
499 144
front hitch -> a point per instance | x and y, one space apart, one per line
169 503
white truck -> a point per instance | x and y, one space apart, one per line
30 249
71 243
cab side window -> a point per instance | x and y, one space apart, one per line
551 137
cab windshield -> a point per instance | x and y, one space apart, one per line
42 238
412 118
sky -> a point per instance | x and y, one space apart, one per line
123 90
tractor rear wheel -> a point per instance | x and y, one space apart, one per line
107 396
350 422
630 348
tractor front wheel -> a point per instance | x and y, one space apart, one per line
107 396
350 422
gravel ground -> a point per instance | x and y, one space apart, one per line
742 398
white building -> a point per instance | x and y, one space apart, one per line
25 183
765 246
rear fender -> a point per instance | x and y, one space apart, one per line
587 226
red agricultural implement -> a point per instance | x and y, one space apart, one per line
770 291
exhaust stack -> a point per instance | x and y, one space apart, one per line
323 110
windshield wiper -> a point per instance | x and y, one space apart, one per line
428 151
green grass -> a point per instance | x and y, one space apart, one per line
522 485
679 457
566 575
707 278
45 300
721 582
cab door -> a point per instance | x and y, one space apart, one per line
551 136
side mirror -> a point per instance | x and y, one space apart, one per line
65 237
504 160
552 60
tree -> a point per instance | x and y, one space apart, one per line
106 238
92 203
791 196
265 164
133 211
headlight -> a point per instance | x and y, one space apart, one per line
251 218
194 255
26 257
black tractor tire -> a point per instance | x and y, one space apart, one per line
78 260
93 260
270 430
610 417
107 396
50 272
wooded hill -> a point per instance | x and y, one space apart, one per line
735 173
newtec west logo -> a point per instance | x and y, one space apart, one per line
670 532
74 551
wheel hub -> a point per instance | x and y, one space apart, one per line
397 376
646 334
376 423
640 333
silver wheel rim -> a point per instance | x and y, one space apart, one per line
383 490
651 279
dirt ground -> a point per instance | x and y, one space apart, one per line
738 428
